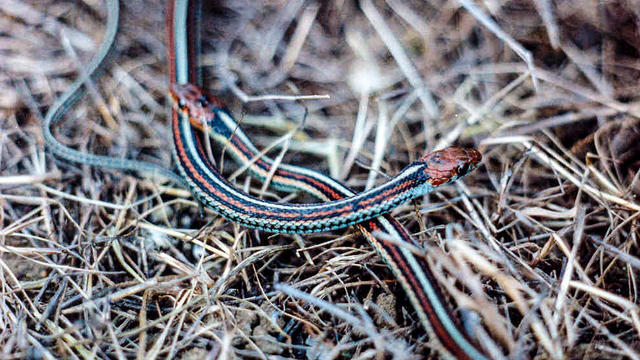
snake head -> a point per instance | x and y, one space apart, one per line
447 165
193 101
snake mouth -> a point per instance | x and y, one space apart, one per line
449 164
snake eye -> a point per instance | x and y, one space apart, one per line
181 103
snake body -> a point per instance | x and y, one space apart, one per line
77 89
212 189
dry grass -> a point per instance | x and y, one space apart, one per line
541 242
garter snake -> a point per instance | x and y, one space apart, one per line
412 272
192 108
212 189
